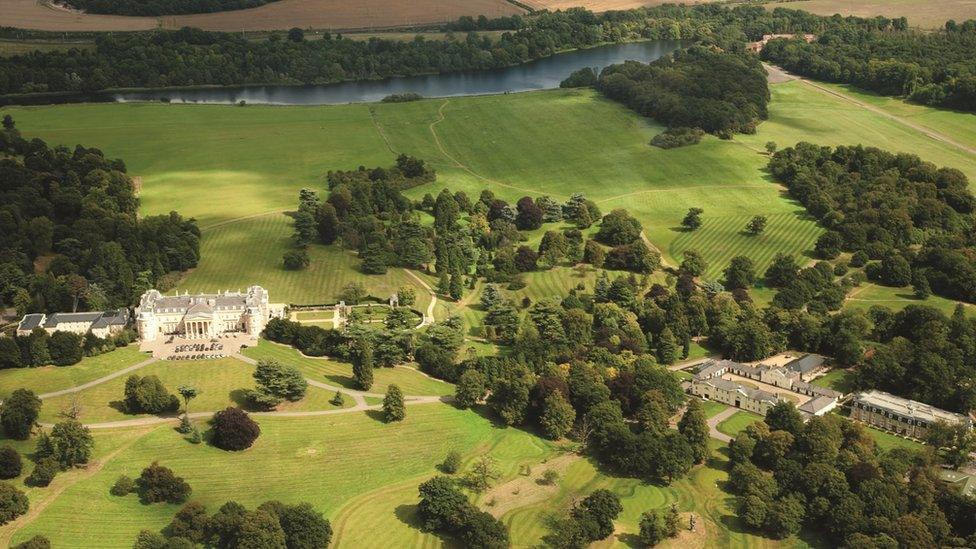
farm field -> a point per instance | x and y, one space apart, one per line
54 378
410 381
926 15
281 15
252 161
220 382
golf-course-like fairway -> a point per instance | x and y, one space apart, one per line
237 169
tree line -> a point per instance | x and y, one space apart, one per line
190 57
933 68
70 236
162 7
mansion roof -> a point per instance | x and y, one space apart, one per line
203 305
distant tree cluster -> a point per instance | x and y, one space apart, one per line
718 92
78 210
272 524
581 78
910 216
276 382
590 519
162 7
147 395
828 475
673 138
934 68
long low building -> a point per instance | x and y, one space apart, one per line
900 415
99 323
205 316
734 394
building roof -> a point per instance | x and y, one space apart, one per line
816 405
804 386
155 302
710 368
806 364
31 321
57 318
908 408
965 483
112 318
758 394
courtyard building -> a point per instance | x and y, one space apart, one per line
100 323
205 316
899 415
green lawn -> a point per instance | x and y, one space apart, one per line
888 441
835 379
220 382
54 378
870 295
713 408
737 422
410 381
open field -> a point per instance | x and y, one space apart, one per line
236 169
601 5
284 14
18 47
410 381
870 295
888 441
54 378
737 422
220 383
920 13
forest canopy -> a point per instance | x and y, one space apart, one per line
74 212
699 87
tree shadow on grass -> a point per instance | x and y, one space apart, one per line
378 415
631 540
346 382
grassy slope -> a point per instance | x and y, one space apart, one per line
54 378
896 298
337 373
738 422
220 383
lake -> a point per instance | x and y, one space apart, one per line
541 74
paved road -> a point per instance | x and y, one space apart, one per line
98 381
719 418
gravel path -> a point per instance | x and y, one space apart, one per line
98 381
719 418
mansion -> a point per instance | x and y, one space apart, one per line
205 316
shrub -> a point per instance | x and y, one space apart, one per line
296 260
36 542
13 503
234 430
43 473
123 486
451 463
402 97
581 78
160 484
65 348
550 477
10 463
677 137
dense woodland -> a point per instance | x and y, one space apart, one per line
720 92
162 7
191 57
70 237
910 220
827 475
934 68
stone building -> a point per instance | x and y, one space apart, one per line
900 415
99 323
734 394
205 316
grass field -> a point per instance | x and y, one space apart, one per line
220 383
897 299
284 14
54 378
888 441
836 379
737 422
252 161
713 408
410 381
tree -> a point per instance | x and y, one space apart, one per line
693 264
234 430
148 395
692 220
956 442
36 542
756 225
785 517
159 484
296 34
304 527
362 366
667 347
558 416
306 229
782 271
260 530
470 389
441 503
70 443
123 486
406 296
784 416
509 399
19 413
65 348
741 273
594 254
770 147
694 427
10 463
188 392
296 260
456 287
44 472
280 381
13 503
393 408
618 228
451 463
482 474
598 511
652 528
529 216
353 293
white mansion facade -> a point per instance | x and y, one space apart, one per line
205 316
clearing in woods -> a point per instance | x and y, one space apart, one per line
283 14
